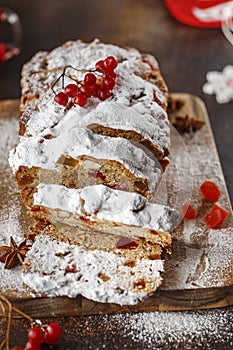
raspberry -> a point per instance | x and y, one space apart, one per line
188 211
216 216
210 191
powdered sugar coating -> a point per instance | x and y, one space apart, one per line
138 117
103 203
64 269
70 136
46 117
70 139
84 56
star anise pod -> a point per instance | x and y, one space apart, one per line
13 254
187 124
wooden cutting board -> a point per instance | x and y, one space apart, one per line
198 274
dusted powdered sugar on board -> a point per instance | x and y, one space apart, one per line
13 216
201 258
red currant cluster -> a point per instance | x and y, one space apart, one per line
40 335
97 82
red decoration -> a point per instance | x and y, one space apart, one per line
188 211
3 49
97 82
185 11
1 14
216 216
210 191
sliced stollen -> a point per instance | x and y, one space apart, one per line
88 175
77 157
130 130
99 208
130 248
136 122
139 72
139 83
123 276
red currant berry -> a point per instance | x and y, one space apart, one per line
94 89
52 333
80 99
110 63
103 94
71 90
100 65
108 83
111 74
32 346
86 90
90 78
61 98
36 335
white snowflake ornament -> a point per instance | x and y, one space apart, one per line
220 84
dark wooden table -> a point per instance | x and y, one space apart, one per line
185 55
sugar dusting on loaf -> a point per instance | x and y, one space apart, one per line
134 137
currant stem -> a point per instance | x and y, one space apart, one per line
62 68
8 327
63 75
6 341
2 344
4 299
22 314
3 308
